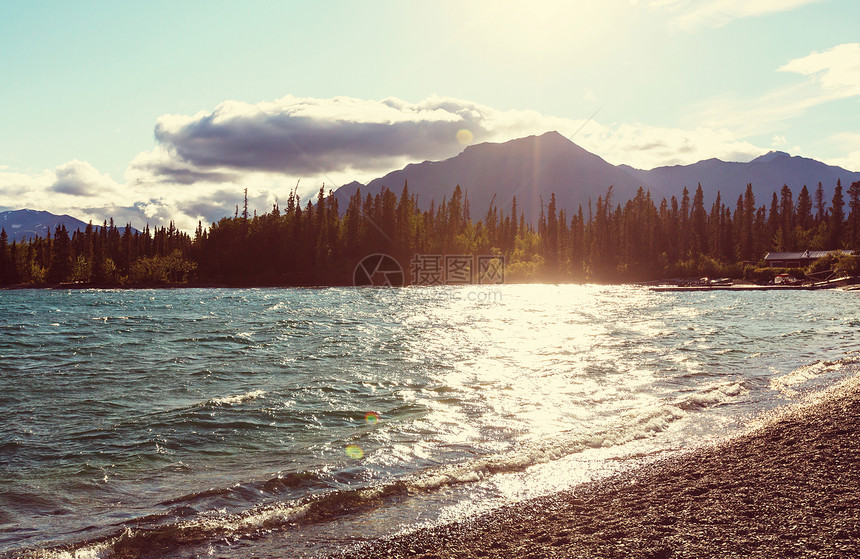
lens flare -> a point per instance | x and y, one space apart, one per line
371 417
354 451
465 136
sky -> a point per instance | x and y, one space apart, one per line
152 112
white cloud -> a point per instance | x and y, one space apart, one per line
836 70
71 182
301 137
778 140
850 161
75 188
17 189
717 13
204 161
850 144
308 135
645 147
749 116
79 178
831 75
161 166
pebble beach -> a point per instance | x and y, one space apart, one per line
787 488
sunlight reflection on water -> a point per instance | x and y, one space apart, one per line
444 400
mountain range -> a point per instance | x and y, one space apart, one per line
27 224
535 167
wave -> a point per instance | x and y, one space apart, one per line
233 400
713 395
198 518
250 492
792 383
110 318
89 550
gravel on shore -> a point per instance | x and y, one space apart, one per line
790 488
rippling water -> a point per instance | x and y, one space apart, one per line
292 422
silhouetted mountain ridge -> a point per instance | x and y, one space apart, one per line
530 168
767 173
534 167
770 156
28 224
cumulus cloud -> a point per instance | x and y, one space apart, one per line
76 188
203 162
68 184
836 70
79 178
160 166
17 187
339 139
300 137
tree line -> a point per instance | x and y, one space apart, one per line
98 256
319 243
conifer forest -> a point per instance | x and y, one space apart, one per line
319 243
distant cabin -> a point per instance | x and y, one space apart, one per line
798 259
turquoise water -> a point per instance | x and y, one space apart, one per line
293 422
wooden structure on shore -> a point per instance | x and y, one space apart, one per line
799 259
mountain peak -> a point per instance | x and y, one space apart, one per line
26 224
770 156
551 143
547 138
554 135
352 185
531 169
535 167
551 137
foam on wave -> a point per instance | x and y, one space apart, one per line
183 526
237 399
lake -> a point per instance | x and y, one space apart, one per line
295 422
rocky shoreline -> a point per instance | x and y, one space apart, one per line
790 488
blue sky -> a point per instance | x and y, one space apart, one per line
166 110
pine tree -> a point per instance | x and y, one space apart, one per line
804 209
715 228
552 235
820 206
773 224
61 261
699 223
837 217
747 222
5 261
685 229
786 217
854 219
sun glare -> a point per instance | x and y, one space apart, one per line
544 29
